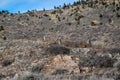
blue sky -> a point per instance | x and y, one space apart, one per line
24 5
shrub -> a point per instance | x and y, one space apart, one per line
57 49
114 3
101 15
117 8
1 76
53 12
79 17
52 29
18 19
63 18
49 18
7 63
104 3
59 18
11 14
36 69
27 19
30 77
43 9
101 23
1 28
114 10
4 15
60 11
45 15
5 11
4 38
110 20
69 23
2 20
94 60
114 50
118 15
60 71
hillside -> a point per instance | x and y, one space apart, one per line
74 42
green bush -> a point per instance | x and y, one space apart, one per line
1 28
53 12
79 17
46 15
4 38
69 23
101 15
117 15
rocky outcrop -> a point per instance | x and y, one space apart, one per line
61 63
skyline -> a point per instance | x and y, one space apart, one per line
25 5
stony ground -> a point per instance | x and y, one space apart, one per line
76 42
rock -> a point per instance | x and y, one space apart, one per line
62 63
1 76
80 50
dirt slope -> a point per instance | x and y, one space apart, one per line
74 42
